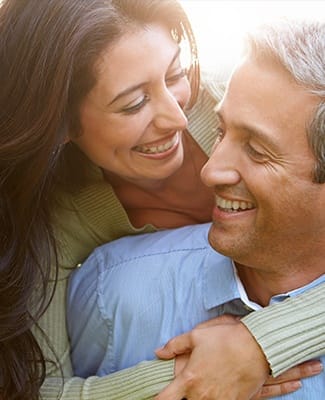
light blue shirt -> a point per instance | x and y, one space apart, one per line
134 294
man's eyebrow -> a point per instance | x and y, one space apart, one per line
139 85
252 131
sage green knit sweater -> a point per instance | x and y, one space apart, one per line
289 333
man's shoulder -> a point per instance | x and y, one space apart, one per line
145 257
190 238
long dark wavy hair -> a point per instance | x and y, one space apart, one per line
48 50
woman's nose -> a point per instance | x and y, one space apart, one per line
169 112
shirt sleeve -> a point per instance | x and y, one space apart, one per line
292 331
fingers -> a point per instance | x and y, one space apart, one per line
171 392
288 382
178 345
268 391
304 370
183 343
180 363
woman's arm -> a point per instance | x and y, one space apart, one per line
292 331
295 327
137 383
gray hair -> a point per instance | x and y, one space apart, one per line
299 46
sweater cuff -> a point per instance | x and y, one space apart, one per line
292 331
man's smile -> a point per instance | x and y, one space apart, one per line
228 205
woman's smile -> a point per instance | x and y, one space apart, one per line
161 147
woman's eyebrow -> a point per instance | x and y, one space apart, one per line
139 85
127 91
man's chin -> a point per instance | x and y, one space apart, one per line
221 242
221 247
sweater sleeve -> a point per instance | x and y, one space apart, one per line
141 382
291 332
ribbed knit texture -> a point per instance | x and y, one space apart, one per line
291 332
138 383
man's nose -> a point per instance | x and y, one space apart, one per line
222 166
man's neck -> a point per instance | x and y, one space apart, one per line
262 285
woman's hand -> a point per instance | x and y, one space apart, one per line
289 381
221 360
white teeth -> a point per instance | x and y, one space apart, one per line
233 206
243 205
157 149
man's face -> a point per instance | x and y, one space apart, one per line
267 207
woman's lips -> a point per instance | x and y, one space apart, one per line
158 148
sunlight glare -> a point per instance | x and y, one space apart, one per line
219 25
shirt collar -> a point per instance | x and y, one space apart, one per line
222 283
219 284
242 292
282 296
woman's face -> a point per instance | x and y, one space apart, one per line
132 120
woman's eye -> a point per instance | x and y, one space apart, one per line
176 77
136 107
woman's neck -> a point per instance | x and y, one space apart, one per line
178 200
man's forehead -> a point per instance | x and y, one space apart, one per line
268 90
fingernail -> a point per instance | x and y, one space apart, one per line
295 385
316 368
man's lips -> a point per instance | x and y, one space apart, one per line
228 205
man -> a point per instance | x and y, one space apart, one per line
268 230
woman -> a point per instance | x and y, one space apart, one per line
68 117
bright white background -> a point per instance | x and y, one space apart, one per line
220 24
